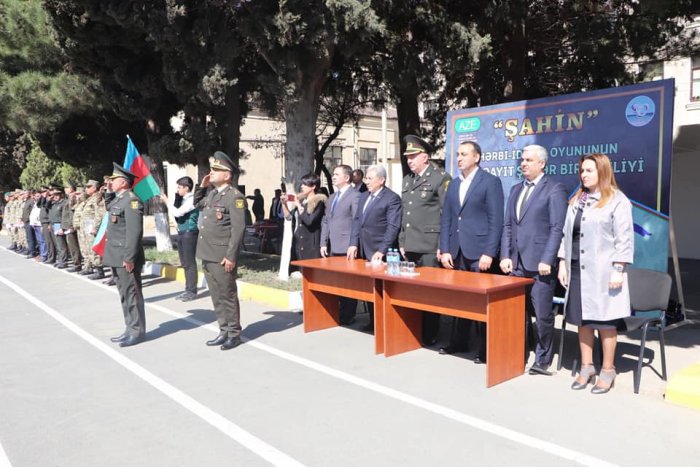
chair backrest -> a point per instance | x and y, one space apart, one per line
649 289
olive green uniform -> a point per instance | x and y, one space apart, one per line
222 218
422 197
124 243
78 225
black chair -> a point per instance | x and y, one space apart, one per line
649 291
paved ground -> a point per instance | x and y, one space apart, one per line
69 397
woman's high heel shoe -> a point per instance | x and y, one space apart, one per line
587 373
607 377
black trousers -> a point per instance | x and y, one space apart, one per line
186 250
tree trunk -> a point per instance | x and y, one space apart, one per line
228 121
155 204
515 66
408 118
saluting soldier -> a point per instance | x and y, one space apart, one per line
55 217
422 197
221 232
93 212
124 254
80 199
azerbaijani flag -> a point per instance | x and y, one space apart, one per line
145 186
98 245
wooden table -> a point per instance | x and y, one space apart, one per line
498 301
326 279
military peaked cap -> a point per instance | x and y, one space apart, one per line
416 145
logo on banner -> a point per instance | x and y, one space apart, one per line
467 125
640 111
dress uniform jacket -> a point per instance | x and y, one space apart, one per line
422 197
125 231
222 223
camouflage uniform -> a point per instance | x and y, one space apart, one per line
93 212
78 225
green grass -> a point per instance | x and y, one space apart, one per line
252 267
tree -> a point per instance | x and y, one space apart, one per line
299 40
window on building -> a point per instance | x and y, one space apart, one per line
652 71
695 80
367 157
333 157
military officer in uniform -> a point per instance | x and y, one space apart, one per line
221 232
124 254
93 211
422 196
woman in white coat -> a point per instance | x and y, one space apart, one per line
597 246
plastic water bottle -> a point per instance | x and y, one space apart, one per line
392 261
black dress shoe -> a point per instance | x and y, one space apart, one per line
220 339
231 343
450 349
119 338
73 269
98 274
131 340
188 297
86 272
540 369
111 281
60 266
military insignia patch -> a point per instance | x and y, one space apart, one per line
134 205
240 204
447 183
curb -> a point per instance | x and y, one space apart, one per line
683 387
246 291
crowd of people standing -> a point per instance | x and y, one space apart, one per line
439 221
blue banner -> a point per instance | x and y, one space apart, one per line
633 125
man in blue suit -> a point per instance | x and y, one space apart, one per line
470 229
532 233
377 222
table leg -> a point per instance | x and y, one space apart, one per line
321 310
505 336
402 326
379 325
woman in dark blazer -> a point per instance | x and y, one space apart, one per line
308 211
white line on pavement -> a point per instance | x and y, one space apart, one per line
474 422
233 431
4 460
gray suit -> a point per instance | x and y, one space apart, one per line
335 235
337 223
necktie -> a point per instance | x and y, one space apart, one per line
335 201
369 201
528 187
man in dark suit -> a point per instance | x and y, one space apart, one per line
532 232
357 180
336 227
377 222
422 195
223 210
470 229
124 253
